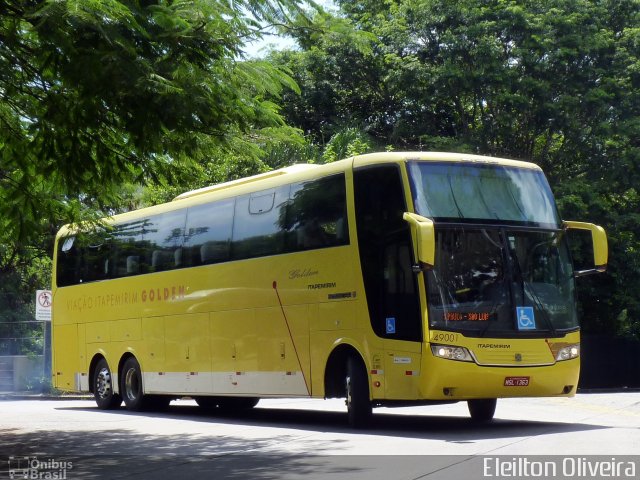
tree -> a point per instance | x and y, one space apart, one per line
97 96
555 82
333 70
95 93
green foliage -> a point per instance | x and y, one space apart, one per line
111 105
101 98
555 82
97 93
334 74
346 143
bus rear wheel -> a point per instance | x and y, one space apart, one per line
106 398
482 410
131 385
207 403
357 393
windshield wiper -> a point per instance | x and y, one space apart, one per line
453 196
494 306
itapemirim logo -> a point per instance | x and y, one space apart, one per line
31 467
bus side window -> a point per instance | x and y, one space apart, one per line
214 252
207 234
257 228
177 257
133 264
316 214
162 260
126 245
162 236
68 262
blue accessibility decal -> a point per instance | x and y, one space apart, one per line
526 318
391 325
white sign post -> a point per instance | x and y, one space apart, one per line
43 305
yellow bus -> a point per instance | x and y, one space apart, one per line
387 279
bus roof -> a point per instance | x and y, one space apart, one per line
358 161
373 158
300 167
298 173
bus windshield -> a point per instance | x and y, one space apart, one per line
502 265
501 282
465 192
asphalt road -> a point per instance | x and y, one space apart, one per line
294 439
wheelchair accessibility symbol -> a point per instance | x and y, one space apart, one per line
391 325
526 318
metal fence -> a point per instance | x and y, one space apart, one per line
20 332
22 338
25 356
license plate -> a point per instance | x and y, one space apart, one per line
516 381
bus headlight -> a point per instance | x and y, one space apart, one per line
568 352
451 353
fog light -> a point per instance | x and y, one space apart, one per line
451 353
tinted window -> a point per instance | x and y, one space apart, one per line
68 261
162 237
317 214
95 251
128 252
83 258
386 253
208 233
290 218
257 227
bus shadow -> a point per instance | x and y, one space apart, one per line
453 429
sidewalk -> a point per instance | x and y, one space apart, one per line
44 396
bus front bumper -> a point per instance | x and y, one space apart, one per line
443 379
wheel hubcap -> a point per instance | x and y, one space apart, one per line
131 384
348 399
103 383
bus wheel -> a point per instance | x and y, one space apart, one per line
357 392
131 385
103 392
482 410
207 403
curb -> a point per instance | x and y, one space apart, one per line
609 390
42 396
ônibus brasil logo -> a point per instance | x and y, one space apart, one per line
26 467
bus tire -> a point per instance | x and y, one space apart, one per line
207 403
357 394
482 410
131 386
106 398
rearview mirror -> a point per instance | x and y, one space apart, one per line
423 234
599 243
